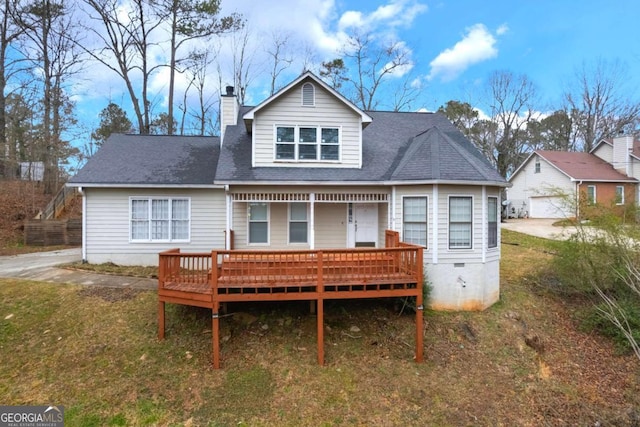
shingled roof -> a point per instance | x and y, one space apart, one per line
583 166
397 146
151 160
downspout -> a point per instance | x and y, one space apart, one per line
84 225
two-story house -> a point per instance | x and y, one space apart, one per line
305 169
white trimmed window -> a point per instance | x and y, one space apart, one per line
414 220
307 143
537 167
460 222
258 223
159 219
298 223
492 220
619 195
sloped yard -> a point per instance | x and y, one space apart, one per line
523 362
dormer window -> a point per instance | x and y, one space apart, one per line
308 95
307 143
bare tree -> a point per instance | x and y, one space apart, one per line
373 65
197 71
511 103
10 31
190 20
279 57
600 102
127 41
50 30
242 62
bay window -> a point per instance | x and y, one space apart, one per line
414 220
460 222
492 226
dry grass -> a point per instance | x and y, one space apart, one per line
523 362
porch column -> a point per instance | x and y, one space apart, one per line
229 212
312 220
434 225
391 211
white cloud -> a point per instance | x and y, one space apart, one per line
476 46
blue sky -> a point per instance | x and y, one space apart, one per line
454 44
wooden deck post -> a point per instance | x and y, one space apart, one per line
320 310
215 310
419 306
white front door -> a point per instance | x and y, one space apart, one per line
365 224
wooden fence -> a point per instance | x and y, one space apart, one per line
53 232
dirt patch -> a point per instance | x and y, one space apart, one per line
110 294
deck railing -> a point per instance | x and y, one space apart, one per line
209 279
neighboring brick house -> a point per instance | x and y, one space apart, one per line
557 184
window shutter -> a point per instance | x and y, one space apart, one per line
308 95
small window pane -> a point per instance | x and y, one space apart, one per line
298 232
460 235
160 230
460 209
308 152
258 232
285 151
329 136
285 134
140 230
160 209
258 211
330 152
139 209
308 134
298 211
180 209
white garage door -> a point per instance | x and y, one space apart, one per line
549 207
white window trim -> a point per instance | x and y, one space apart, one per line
296 144
537 167
289 221
621 202
424 196
493 248
249 243
150 199
471 246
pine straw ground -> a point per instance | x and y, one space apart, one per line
523 362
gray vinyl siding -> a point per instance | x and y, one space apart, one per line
327 112
107 224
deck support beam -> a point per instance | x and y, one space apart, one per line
161 320
215 334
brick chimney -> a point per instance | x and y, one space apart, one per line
228 111
622 147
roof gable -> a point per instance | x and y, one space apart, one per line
582 166
250 115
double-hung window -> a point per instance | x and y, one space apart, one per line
159 219
307 143
460 222
414 220
492 219
298 223
258 223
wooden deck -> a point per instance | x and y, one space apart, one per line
210 279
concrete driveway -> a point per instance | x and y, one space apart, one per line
539 228
43 266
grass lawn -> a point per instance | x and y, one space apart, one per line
522 362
